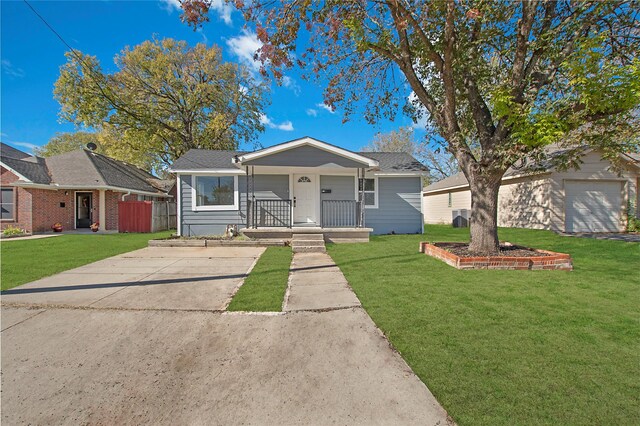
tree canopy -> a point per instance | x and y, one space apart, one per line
165 98
67 142
498 81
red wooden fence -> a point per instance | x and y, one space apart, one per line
134 216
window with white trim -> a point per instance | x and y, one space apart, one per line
215 192
7 204
370 192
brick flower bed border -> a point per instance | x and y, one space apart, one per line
551 261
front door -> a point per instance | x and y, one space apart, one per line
304 199
84 202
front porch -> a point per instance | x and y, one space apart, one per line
331 235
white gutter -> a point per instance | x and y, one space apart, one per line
56 187
233 171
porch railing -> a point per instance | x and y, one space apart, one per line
341 214
270 213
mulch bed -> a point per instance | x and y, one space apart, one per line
506 250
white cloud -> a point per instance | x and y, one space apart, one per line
325 107
312 112
286 126
222 8
205 40
423 119
10 70
291 84
244 47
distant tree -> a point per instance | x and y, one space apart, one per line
440 163
165 98
400 140
498 80
67 142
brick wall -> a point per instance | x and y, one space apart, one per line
48 209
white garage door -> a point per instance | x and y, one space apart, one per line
593 206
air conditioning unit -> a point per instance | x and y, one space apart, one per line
460 218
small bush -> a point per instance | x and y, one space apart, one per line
633 222
12 231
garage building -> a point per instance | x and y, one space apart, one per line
594 198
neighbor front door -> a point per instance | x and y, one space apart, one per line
84 203
304 199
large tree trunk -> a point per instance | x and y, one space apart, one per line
484 215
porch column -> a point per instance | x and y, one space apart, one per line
102 208
246 198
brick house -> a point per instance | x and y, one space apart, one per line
76 189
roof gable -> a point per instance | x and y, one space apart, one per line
251 158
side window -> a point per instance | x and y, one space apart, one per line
449 200
370 192
7 204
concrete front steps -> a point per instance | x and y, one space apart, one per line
308 243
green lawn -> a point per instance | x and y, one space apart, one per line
28 260
510 347
263 290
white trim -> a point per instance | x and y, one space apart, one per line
84 188
194 201
311 142
20 176
375 193
14 204
227 172
407 174
179 205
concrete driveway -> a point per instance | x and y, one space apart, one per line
150 278
140 338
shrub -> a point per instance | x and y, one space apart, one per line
633 222
12 231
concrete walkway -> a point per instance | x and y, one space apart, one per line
316 283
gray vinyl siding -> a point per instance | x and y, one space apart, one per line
304 156
198 223
342 187
398 209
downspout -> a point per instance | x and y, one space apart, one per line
126 195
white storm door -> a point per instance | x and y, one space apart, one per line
304 199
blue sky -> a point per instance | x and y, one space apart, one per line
32 55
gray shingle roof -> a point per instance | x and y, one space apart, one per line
7 151
83 168
203 159
391 162
90 169
32 168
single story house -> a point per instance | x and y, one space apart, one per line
301 183
593 198
75 189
